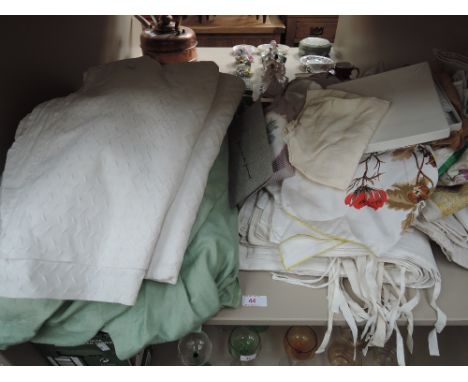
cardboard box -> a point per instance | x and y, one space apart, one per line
99 351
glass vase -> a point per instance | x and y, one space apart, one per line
195 349
244 346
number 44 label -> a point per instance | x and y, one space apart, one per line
251 300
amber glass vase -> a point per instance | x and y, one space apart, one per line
300 344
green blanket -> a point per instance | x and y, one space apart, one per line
163 312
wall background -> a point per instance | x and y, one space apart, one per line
389 42
45 56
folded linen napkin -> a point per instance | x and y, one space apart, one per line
331 133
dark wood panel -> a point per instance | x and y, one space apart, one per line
299 27
224 40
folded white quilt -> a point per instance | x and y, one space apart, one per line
178 222
92 178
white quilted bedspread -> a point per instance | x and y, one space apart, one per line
95 178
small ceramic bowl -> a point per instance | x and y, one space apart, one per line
314 46
262 49
243 50
316 64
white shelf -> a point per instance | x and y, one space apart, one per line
297 305
272 352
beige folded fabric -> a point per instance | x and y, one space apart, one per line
445 201
328 138
451 236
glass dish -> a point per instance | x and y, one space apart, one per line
316 64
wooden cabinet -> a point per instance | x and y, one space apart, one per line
224 31
299 27
219 31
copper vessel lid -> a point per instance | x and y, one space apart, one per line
167 36
168 42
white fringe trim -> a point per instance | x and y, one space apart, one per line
379 302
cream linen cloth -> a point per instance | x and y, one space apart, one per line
329 136
302 228
379 283
378 299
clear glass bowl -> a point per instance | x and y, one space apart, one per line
195 349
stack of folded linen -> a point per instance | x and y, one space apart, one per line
444 217
343 214
105 188
445 220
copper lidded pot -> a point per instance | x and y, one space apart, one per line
168 42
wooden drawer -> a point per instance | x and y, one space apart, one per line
301 27
306 29
220 40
